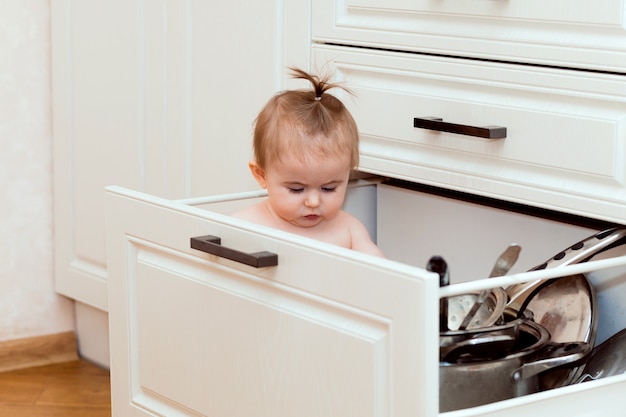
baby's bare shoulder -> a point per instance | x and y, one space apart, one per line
350 220
252 213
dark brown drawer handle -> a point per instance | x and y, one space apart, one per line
436 123
212 244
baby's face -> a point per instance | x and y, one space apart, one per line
306 194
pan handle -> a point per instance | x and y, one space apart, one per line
520 294
587 248
437 123
554 355
213 245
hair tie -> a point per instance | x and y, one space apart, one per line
318 98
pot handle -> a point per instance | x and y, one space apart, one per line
554 355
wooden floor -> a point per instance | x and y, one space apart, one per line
69 389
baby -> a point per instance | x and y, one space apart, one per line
305 145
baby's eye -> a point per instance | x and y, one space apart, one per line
295 190
329 189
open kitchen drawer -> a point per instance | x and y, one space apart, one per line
325 332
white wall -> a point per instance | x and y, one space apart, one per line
28 304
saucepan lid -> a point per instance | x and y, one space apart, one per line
567 308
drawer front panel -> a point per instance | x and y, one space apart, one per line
571 33
565 129
328 330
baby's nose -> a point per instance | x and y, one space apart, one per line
312 199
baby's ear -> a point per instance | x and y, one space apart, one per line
258 173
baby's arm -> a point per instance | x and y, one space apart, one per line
361 240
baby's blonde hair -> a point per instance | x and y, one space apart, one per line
306 122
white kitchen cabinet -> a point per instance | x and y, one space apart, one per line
559 33
157 96
327 331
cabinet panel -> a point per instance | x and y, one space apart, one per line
164 103
329 330
561 33
275 323
564 148
580 12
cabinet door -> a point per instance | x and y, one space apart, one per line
567 33
157 96
327 332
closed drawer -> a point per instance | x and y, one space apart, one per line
570 33
566 130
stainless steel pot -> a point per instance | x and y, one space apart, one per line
483 342
468 384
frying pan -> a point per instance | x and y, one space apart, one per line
607 359
566 307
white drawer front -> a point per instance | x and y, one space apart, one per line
327 332
566 130
568 33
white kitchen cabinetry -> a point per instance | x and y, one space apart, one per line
326 332
553 75
157 96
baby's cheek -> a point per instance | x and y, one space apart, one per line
336 205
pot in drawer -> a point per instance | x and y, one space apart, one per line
470 382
